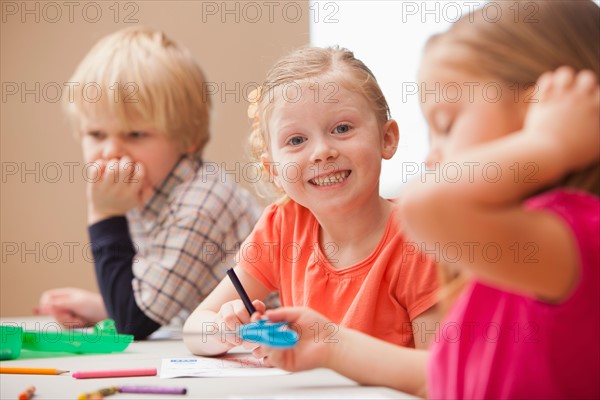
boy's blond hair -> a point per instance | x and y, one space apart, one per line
321 68
140 73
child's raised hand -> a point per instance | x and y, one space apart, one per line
233 315
118 188
72 307
567 116
316 334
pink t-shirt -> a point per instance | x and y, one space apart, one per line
379 296
497 345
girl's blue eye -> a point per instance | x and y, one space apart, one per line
296 140
342 128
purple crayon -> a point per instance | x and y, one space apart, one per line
152 390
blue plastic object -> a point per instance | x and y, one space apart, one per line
272 334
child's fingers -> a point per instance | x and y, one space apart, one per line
101 165
229 317
564 77
52 294
586 81
234 314
257 316
42 310
132 171
259 306
267 362
260 352
250 345
111 171
70 320
269 356
289 314
544 86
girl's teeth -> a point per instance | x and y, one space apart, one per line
331 179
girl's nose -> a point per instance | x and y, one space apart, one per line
324 151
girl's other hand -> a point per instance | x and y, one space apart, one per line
566 115
316 334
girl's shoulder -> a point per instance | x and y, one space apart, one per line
578 208
286 215
572 199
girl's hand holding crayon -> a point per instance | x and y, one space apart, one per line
234 314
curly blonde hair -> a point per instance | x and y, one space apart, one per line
328 66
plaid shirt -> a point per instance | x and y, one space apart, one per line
186 237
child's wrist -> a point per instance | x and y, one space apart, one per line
95 216
335 350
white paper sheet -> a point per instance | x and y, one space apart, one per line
206 367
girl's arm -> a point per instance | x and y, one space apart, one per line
478 220
212 328
370 361
425 326
360 357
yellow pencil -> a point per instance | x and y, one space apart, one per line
31 371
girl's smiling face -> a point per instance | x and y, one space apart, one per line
326 147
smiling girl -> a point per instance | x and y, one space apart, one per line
321 131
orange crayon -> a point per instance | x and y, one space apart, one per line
28 393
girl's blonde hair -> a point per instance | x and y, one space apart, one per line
140 73
324 68
528 39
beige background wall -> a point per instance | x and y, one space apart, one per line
43 230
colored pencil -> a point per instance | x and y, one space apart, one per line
153 390
240 289
27 393
31 371
99 394
114 373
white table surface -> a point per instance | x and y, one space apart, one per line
320 383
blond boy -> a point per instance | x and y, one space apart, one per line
162 228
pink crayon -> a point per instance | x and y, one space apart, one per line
114 373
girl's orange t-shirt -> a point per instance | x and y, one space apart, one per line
379 296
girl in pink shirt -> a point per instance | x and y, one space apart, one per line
321 129
518 202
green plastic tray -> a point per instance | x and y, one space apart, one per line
103 338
